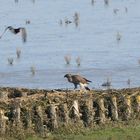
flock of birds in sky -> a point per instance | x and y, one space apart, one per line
75 79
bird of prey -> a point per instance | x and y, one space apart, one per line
78 80
15 31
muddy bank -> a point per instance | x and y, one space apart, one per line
42 111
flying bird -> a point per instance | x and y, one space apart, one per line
15 31
78 80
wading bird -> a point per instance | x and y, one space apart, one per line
18 52
15 31
78 80
10 60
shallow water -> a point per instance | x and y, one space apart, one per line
94 41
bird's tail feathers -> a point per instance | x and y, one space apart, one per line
87 88
88 80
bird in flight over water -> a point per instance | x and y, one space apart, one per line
15 31
78 80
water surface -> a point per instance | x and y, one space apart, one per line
94 41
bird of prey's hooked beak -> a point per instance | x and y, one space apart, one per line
22 30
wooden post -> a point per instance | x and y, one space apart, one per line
39 119
64 113
114 108
53 116
75 110
3 120
39 112
87 112
128 107
17 111
102 110
138 103
28 120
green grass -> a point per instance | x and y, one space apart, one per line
107 134
116 133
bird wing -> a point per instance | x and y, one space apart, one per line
24 34
3 32
79 79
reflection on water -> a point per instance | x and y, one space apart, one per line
101 38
